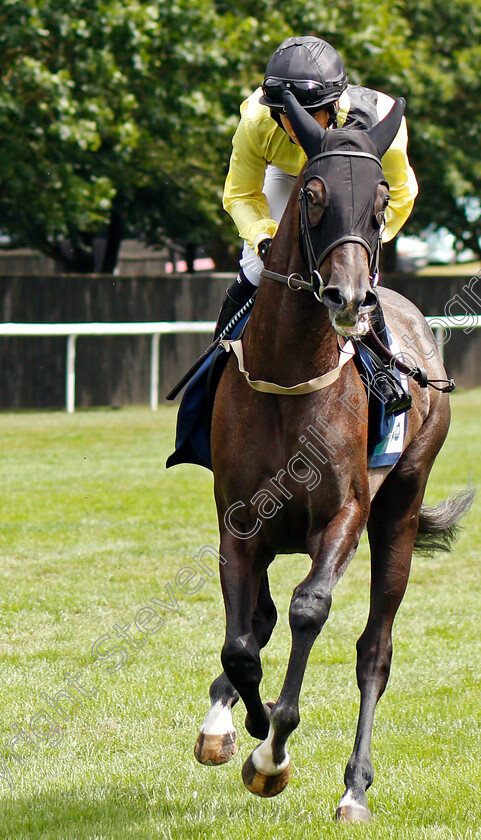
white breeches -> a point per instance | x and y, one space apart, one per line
277 189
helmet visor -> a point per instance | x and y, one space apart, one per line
307 92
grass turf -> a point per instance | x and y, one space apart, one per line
93 527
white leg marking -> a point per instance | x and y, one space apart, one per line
218 720
262 758
351 810
348 799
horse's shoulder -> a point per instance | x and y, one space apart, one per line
396 302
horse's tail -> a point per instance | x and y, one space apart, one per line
438 527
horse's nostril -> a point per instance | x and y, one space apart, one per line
333 298
370 301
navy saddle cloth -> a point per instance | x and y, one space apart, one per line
192 442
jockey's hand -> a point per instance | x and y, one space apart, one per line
263 249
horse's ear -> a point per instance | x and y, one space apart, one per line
307 130
383 133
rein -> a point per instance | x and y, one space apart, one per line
417 373
315 284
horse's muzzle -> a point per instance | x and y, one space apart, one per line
349 317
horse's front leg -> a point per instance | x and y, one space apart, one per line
392 530
240 655
246 561
217 741
266 771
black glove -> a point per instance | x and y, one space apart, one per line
263 249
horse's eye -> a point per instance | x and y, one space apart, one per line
386 200
315 199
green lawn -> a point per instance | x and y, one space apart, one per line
93 527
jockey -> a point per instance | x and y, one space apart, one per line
267 158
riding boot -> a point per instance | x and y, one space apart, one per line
395 398
238 293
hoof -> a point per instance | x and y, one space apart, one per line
216 749
353 813
263 785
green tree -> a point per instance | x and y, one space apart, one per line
443 83
110 124
116 115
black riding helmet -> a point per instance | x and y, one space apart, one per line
310 68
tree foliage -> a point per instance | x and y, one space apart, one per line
116 115
110 123
443 82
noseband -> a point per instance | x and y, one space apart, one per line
313 262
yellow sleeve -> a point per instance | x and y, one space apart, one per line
258 141
243 197
403 186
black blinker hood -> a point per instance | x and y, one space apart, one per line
350 169
348 161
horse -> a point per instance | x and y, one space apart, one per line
293 383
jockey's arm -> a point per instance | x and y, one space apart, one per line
257 142
403 187
243 197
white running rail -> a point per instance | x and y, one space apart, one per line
153 328
440 324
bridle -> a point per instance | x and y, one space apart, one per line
313 261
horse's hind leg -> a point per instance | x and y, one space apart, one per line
392 529
217 741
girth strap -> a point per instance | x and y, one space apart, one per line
347 352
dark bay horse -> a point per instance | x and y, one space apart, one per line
290 469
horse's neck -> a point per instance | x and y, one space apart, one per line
288 332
